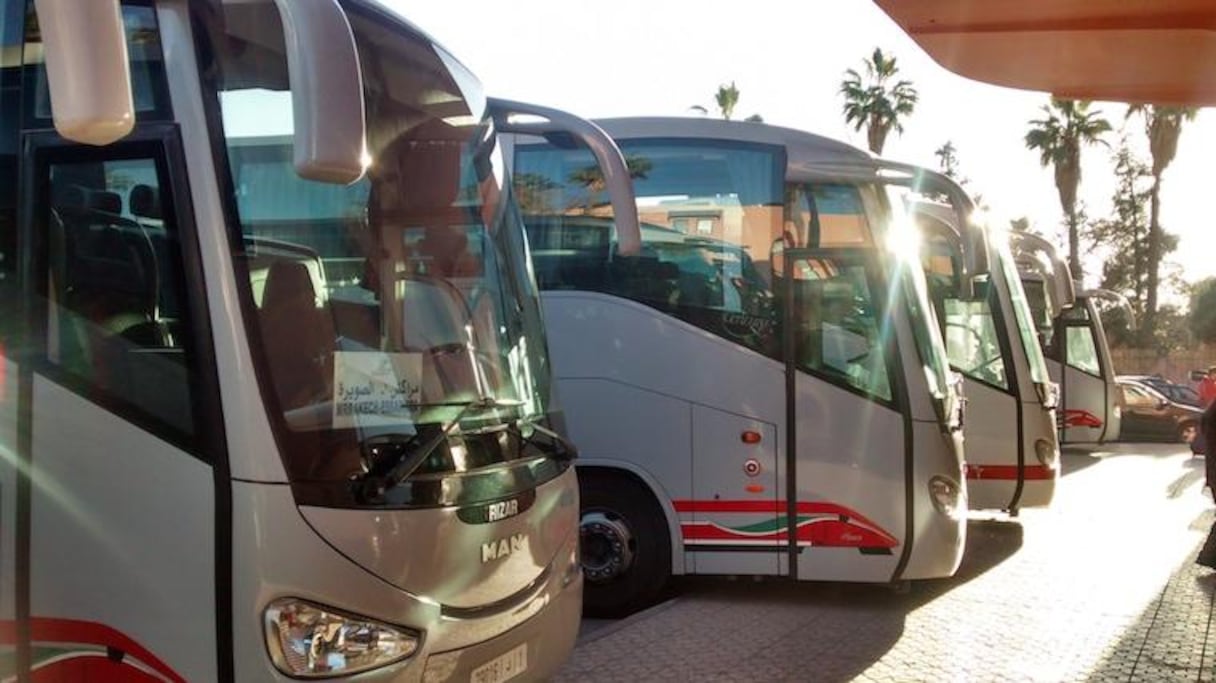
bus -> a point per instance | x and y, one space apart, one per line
762 390
275 395
1074 342
1013 454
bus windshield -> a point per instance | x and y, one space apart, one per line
1021 312
400 307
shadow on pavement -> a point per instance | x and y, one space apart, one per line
868 620
1075 460
1171 640
1192 472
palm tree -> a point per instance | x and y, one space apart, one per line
947 158
727 98
877 103
592 177
1068 126
1163 126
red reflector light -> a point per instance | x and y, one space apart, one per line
750 437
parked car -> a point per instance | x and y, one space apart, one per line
1149 415
1178 393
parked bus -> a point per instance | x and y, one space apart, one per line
762 390
1074 342
1012 450
275 400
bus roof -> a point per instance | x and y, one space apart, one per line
1159 51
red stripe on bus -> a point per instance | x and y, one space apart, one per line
1009 472
1081 418
47 630
771 507
825 532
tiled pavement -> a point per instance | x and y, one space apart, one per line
1101 587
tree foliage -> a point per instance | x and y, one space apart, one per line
727 99
878 101
1067 127
1129 264
1125 231
1202 318
1163 126
947 159
591 178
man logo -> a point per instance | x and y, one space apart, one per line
496 550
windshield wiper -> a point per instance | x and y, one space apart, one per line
557 446
406 458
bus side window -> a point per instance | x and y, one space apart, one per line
115 288
12 36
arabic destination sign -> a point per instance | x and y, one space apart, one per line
373 389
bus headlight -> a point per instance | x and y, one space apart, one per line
307 640
1046 452
946 496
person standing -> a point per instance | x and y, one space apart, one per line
1207 387
1207 425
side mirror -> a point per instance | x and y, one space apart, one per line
609 157
326 90
85 47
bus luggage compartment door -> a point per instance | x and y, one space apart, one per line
736 524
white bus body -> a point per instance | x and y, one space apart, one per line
1074 342
254 426
1010 431
685 378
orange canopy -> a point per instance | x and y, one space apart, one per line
1160 51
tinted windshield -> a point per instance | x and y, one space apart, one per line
382 307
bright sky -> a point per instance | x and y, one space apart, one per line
659 57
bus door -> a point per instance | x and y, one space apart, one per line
119 434
1086 377
843 498
122 430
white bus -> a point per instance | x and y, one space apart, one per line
275 400
1012 449
762 391
1074 342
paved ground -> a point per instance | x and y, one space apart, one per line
1101 587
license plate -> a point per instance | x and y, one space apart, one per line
503 667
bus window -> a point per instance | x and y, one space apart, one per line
972 343
12 29
710 216
1082 352
115 286
837 333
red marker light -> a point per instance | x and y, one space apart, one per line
750 437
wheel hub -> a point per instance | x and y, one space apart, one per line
606 545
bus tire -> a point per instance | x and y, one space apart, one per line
624 544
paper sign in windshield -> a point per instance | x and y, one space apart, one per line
373 389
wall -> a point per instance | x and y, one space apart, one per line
1176 366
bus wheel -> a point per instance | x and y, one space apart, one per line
624 544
